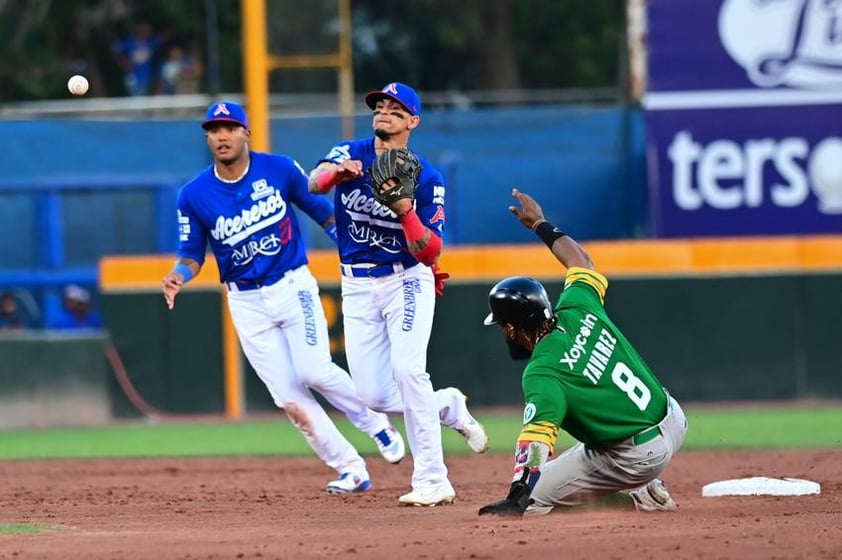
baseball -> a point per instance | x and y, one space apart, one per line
78 85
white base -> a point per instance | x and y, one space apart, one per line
761 486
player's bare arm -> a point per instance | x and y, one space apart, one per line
416 245
183 271
327 175
401 208
564 248
420 240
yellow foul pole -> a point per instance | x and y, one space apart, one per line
232 366
256 69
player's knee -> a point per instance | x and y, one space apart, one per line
298 416
374 400
409 375
317 375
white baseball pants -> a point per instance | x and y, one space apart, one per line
388 321
284 335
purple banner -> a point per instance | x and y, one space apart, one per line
734 44
746 171
744 116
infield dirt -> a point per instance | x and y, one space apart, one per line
214 508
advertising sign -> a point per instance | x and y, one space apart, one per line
744 117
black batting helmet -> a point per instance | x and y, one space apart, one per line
520 301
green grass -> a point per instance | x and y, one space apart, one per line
19 528
779 427
771 428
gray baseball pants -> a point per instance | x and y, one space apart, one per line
581 474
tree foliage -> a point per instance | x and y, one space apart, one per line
432 44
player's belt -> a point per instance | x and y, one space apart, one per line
248 285
372 270
646 435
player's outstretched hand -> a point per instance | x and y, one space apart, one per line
171 286
348 169
530 211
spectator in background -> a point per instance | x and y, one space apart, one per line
10 316
77 313
136 55
180 71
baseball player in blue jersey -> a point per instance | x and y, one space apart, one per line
241 206
388 257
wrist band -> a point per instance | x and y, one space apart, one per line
326 180
331 232
538 223
184 270
548 233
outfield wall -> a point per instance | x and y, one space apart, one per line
747 319
49 379
750 319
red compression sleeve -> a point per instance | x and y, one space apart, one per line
327 180
415 231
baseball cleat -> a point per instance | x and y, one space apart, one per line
348 483
390 444
429 496
653 497
472 431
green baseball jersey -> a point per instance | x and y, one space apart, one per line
585 377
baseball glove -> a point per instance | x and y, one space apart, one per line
394 176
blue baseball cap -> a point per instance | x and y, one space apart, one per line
399 92
225 112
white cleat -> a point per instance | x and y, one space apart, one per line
429 496
471 430
653 497
348 483
390 444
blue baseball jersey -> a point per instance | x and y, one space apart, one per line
250 225
368 231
